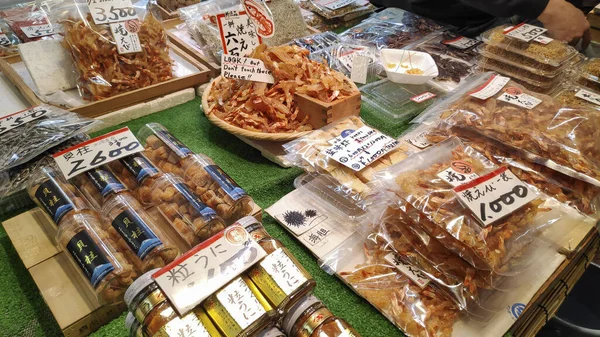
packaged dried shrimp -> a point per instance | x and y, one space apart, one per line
590 69
103 69
574 96
271 108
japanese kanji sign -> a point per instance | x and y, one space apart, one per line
583 94
283 271
208 267
494 195
491 87
108 11
126 37
419 140
38 30
517 97
261 16
461 42
4 40
414 274
96 152
238 33
240 303
458 173
19 118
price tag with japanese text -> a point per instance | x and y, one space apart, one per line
491 87
360 68
543 39
19 118
126 37
422 97
494 195
414 274
4 40
517 97
108 11
420 140
204 269
241 303
525 32
458 173
461 42
37 30
238 33
283 270
262 17
335 4
589 96
244 68
361 148
98 151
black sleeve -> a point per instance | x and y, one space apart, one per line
530 9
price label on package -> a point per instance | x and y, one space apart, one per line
208 267
108 11
335 4
38 30
495 195
238 33
589 96
517 97
525 32
361 148
543 39
261 16
19 118
283 271
126 37
459 172
414 274
422 97
461 42
420 140
4 40
244 68
491 87
98 151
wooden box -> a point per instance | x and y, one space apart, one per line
321 113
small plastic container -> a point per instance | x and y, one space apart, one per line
162 148
590 70
239 309
518 61
519 73
57 197
514 74
136 234
408 67
137 173
133 326
567 96
189 216
98 184
90 249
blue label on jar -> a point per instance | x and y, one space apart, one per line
104 181
206 212
139 167
90 259
136 233
54 201
225 182
173 143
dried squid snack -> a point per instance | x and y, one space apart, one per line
188 215
215 188
136 234
98 184
57 197
103 72
163 149
138 174
92 252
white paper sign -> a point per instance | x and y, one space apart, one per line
19 118
461 42
458 173
491 87
4 40
523 100
238 33
126 37
543 39
420 140
241 303
335 4
188 326
495 195
347 57
98 151
361 148
107 11
38 30
414 274
360 67
244 68
422 97
588 96
204 269
283 271
525 32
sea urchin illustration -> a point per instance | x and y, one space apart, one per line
294 218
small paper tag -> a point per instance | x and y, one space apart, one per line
244 68
208 267
98 151
461 42
525 32
361 148
422 97
17 119
37 30
283 271
414 274
517 97
360 66
420 140
347 57
107 11
586 95
261 16
240 302
238 33
126 37
494 196
335 4
543 39
4 40
458 173
187 326
491 87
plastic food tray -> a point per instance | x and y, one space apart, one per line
566 95
585 72
518 74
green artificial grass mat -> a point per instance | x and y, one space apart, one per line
24 313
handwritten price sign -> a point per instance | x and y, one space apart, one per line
17 119
38 30
525 32
107 11
244 68
97 151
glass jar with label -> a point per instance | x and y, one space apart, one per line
150 307
279 276
190 217
89 248
311 318
162 148
137 173
216 188
272 332
52 193
136 234
239 309
98 184
133 326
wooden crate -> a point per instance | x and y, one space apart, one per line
102 107
167 14
321 113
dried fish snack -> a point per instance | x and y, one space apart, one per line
30 139
103 71
378 34
570 95
30 24
270 108
438 46
163 148
173 5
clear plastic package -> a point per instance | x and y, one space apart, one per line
137 174
436 46
590 69
173 5
162 148
522 62
317 41
97 185
570 96
348 12
340 57
519 73
413 21
379 35
30 24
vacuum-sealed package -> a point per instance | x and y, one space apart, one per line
27 134
113 57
